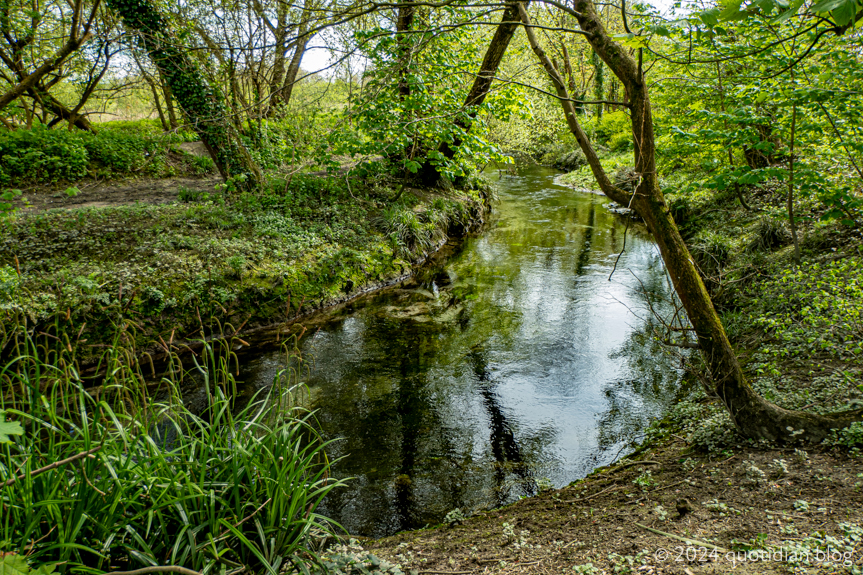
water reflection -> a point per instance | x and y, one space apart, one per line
516 361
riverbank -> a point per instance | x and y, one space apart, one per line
696 497
207 263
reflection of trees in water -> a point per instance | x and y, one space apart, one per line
587 242
394 434
504 447
652 384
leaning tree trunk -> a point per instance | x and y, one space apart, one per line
201 103
294 67
753 416
509 23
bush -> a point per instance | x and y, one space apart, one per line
42 155
615 131
117 152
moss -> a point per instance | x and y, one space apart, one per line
178 268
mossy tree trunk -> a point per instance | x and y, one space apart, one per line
753 416
202 104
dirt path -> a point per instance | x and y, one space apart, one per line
750 512
100 194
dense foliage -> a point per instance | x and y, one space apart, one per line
142 481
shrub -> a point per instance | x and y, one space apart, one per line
42 155
48 156
117 152
615 131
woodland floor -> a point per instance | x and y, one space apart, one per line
110 193
603 520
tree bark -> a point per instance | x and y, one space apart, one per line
201 103
294 67
169 104
31 79
404 23
509 23
753 416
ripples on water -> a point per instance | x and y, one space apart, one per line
515 364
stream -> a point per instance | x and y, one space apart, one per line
513 366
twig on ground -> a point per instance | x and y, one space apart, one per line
54 465
687 540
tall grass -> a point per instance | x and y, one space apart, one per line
223 491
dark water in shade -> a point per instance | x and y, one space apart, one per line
513 364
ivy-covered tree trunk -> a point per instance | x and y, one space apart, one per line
754 416
202 104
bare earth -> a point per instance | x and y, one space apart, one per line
100 194
735 520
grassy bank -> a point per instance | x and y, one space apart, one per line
217 261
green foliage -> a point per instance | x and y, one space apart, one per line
815 308
226 487
8 428
14 564
42 155
150 129
408 128
7 197
614 130
851 436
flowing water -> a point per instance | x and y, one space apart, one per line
514 365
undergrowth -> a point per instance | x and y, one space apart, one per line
139 482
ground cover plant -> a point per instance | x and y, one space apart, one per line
246 259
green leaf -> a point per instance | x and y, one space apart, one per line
711 17
829 5
792 10
13 564
845 14
8 428
631 40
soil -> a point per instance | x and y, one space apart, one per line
106 193
732 515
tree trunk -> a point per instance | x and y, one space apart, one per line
753 416
201 103
62 113
169 105
509 23
29 81
278 76
294 67
404 23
